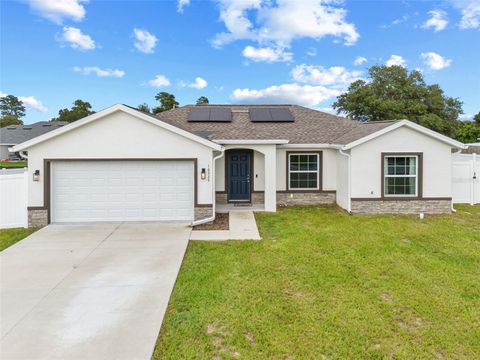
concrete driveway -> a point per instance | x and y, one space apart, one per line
96 291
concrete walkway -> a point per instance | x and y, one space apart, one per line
96 291
242 226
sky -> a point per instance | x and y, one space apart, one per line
304 52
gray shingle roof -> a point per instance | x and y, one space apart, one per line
310 126
16 134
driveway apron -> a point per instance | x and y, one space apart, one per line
96 291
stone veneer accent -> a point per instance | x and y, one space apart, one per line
203 212
305 198
427 206
257 198
37 218
221 198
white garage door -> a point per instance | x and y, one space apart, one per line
85 191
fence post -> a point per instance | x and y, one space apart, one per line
474 176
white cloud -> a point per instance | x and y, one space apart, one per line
181 4
145 42
435 61
31 102
159 81
267 54
283 21
335 76
398 21
87 70
466 117
312 51
438 20
58 10
396 60
470 10
76 39
199 83
359 60
306 95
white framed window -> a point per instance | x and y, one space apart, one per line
304 171
400 175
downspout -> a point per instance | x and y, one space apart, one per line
349 185
23 155
214 202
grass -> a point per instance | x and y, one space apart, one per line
8 237
13 164
324 284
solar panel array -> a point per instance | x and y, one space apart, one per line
209 115
271 115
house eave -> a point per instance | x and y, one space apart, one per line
251 142
310 146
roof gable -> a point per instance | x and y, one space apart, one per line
406 123
119 107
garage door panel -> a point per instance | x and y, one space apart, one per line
122 191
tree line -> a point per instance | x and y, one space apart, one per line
389 93
12 110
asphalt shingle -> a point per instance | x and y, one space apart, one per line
310 126
16 134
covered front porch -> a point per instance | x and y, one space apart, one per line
246 176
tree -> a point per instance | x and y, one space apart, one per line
11 109
144 107
79 110
167 102
202 100
467 131
476 118
395 93
8 120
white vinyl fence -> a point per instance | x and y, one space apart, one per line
466 182
13 198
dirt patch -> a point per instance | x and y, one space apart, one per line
220 223
386 297
250 337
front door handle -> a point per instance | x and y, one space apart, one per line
248 178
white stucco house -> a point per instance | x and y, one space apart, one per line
121 164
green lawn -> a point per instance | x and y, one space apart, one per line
8 237
13 164
326 285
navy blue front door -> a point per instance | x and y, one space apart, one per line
238 175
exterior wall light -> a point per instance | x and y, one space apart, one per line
36 175
203 174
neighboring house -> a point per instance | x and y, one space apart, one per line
121 164
473 148
16 134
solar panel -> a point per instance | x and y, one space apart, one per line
197 114
209 115
220 115
260 114
281 114
271 115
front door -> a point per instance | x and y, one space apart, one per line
238 175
